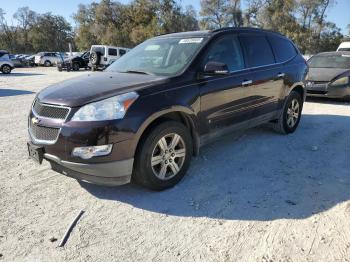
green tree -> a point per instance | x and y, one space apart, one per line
50 33
8 34
220 13
110 22
26 18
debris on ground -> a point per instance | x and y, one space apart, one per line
53 239
70 228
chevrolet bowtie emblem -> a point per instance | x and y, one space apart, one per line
35 121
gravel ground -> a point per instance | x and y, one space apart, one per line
258 196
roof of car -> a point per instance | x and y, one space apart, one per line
3 52
345 44
217 31
110 46
334 53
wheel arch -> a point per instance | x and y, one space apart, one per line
299 87
181 114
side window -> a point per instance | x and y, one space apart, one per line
112 52
283 48
226 50
122 52
257 50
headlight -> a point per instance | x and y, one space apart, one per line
111 108
341 81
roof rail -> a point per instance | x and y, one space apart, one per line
243 28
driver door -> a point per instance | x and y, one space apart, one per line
225 99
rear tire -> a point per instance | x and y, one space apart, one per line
290 115
95 58
163 156
47 63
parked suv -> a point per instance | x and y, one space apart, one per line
152 109
47 58
6 65
101 56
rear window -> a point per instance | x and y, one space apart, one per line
257 50
99 49
344 49
112 52
283 48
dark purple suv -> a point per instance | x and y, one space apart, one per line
144 117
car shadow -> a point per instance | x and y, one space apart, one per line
326 100
256 175
20 74
14 92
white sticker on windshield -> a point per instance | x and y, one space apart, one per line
191 41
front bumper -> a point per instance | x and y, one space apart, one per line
110 174
112 169
326 90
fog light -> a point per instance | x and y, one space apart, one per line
91 151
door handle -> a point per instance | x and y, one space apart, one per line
281 75
247 82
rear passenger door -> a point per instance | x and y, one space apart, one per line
266 81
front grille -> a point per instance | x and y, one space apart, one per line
50 111
43 133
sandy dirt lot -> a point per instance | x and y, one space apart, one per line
258 196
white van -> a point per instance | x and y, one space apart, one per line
345 46
101 56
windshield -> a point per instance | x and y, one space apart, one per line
330 61
163 56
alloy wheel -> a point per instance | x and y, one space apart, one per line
6 69
293 112
168 156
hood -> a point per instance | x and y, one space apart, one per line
68 59
325 74
95 86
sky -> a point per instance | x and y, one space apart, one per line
339 13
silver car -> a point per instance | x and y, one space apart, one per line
6 65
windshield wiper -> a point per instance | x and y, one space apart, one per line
136 72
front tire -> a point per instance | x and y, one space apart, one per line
76 67
290 115
164 156
6 69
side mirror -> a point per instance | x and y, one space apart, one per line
216 68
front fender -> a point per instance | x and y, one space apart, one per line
190 118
